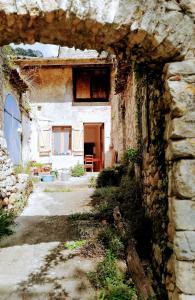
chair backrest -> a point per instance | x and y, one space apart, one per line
88 158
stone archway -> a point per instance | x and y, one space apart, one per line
146 31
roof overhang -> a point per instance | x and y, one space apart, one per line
60 62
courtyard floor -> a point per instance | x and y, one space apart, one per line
34 261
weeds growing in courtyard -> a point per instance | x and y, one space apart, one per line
77 170
73 245
108 279
6 220
92 182
110 177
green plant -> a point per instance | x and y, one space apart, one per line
110 281
55 173
26 169
36 164
120 292
111 241
34 179
105 192
110 177
107 272
18 169
92 182
131 155
104 200
81 216
8 57
128 197
6 220
77 170
74 244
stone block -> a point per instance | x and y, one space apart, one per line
183 181
183 127
177 97
23 178
181 149
182 214
185 276
184 245
186 297
184 68
5 202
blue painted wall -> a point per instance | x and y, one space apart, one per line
12 122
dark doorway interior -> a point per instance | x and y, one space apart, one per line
94 143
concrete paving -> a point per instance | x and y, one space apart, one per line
34 263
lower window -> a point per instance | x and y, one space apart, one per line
61 140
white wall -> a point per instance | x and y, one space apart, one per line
54 114
26 135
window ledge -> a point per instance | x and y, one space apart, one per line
91 103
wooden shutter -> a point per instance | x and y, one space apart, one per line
83 85
44 141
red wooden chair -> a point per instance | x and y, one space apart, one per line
88 162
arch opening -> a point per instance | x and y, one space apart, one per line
151 32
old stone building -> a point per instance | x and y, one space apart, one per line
71 112
154 42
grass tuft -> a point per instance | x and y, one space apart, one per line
111 241
110 281
73 245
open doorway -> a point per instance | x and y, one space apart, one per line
94 143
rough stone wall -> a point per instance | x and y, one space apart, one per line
154 168
161 101
180 155
141 113
124 125
13 188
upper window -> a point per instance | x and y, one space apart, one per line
61 140
91 84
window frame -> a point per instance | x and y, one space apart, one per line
75 71
70 138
